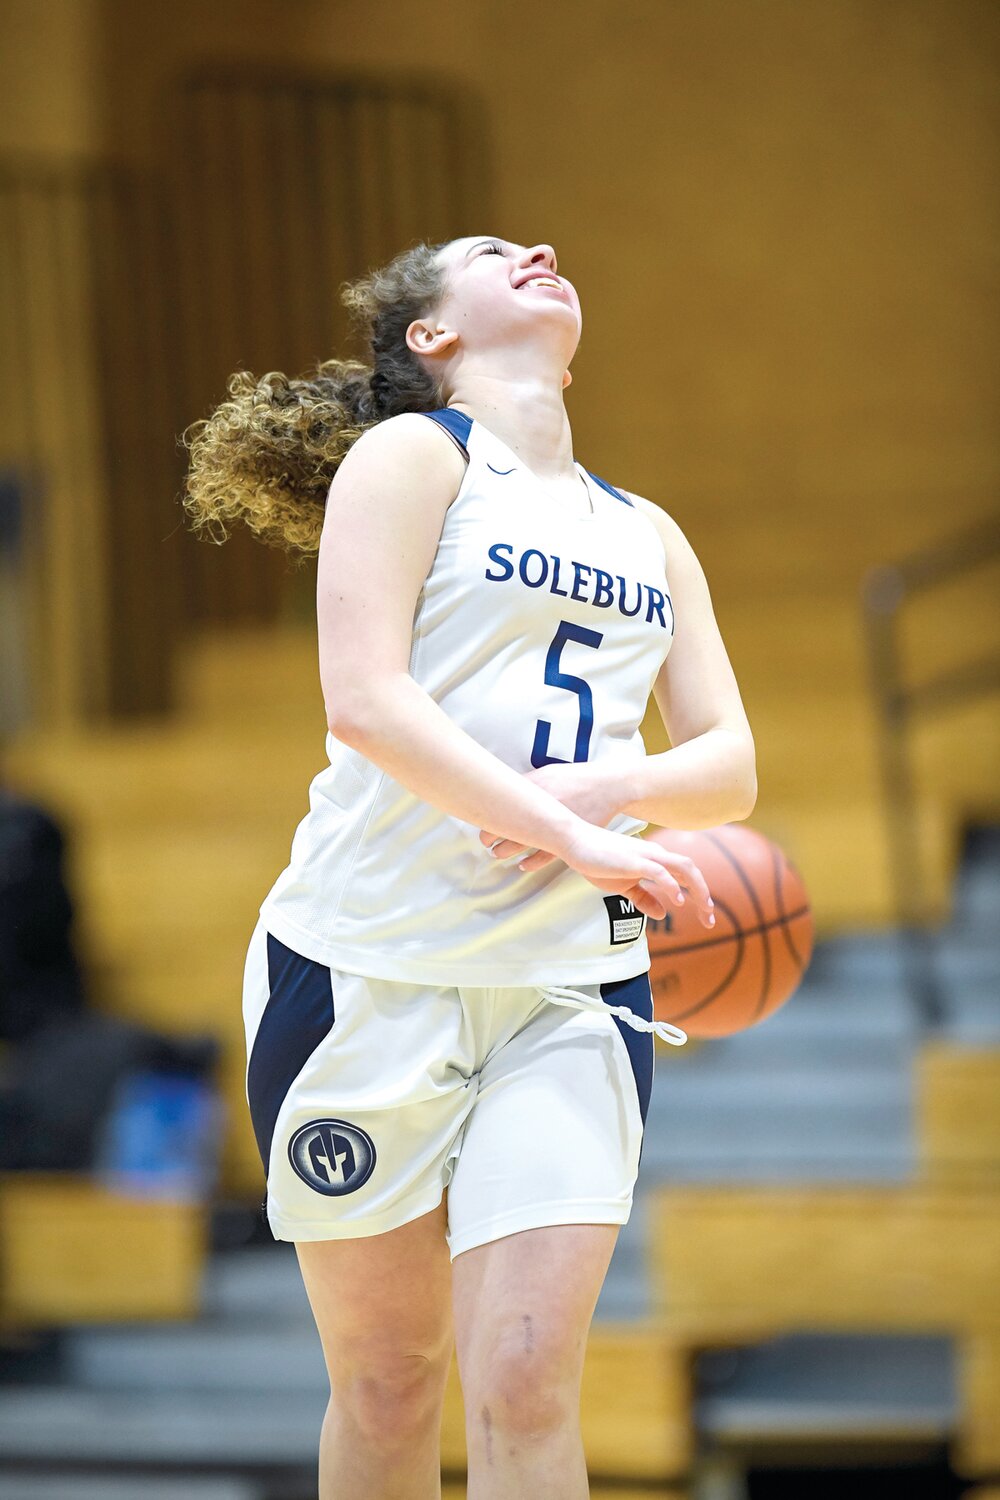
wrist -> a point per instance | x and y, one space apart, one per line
563 826
626 789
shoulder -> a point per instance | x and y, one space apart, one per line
677 549
409 447
410 431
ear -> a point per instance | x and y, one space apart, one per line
424 336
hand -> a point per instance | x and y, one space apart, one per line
588 789
650 876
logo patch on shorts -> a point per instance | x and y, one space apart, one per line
625 918
332 1157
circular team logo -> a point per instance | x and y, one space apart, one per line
332 1157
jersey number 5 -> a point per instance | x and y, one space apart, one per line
555 678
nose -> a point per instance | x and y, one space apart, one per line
543 253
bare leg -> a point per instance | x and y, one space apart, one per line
523 1307
382 1307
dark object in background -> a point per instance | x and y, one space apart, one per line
60 1084
39 975
62 1065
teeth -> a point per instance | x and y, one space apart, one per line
543 281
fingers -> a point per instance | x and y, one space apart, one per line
666 891
694 882
501 848
651 904
683 874
536 861
665 878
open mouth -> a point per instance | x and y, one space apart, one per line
543 283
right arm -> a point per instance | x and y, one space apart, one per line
384 515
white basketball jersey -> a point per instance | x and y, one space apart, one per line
540 633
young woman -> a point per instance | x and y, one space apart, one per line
448 1012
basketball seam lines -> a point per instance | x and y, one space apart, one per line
779 903
738 932
737 935
724 983
748 887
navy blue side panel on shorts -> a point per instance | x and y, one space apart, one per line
298 1015
638 997
455 422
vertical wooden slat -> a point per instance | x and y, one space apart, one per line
72 678
80 510
438 138
292 224
21 446
318 229
352 239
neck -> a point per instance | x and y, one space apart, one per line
528 415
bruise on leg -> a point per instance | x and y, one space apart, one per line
487 1420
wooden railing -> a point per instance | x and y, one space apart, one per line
901 707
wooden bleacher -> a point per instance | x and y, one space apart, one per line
958 1114
73 1252
734 1266
178 828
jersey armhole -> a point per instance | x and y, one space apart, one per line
621 495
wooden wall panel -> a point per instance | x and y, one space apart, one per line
130 297
283 187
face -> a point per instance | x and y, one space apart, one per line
500 295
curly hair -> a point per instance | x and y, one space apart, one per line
267 455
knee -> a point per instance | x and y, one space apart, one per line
524 1395
391 1399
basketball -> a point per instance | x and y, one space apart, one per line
713 982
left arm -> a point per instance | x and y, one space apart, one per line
709 775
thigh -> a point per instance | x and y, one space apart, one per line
381 1300
523 1305
555 1135
358 1090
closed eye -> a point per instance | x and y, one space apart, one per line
492 249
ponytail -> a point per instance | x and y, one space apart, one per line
267 455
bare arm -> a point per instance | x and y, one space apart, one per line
384 516
709 775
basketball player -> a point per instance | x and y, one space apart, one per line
447 1004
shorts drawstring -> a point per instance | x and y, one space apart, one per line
560 995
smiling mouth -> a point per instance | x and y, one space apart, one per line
542 284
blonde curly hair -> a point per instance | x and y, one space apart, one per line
267 455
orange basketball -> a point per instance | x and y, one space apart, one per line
714 981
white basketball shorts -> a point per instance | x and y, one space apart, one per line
369 1097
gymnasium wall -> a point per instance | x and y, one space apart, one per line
782 222
781 217
51 81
